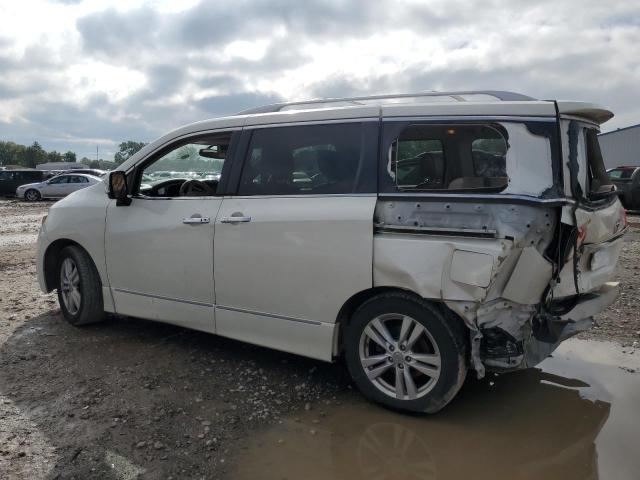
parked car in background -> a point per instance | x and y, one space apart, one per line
627 181
56 187
12 179
89 171
419 236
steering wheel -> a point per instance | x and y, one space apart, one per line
196 188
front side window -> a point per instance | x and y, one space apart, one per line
448 157
189 168
303 160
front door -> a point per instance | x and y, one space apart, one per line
159 249
295 243
56 187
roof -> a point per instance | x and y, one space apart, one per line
480 103
589 111
422 97
620 129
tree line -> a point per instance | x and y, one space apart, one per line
12 153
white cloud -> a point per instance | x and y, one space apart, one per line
90 76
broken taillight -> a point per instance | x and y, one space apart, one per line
582 234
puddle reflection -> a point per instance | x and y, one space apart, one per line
541 423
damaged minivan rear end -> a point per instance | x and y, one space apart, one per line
512 223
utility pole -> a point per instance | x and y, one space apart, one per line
97 155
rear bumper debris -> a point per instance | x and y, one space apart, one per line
514 344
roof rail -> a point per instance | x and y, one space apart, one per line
455 96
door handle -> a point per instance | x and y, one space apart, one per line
196 220
233 219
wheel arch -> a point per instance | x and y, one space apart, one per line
355 301
51 256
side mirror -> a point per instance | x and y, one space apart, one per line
118 188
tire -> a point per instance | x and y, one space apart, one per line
79 287
32 195
431 368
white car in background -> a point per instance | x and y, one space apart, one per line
56 187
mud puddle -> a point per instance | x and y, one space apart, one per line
576 416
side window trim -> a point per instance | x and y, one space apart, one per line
232 183
230 160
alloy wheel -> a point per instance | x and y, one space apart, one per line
399 356
32 195
70 286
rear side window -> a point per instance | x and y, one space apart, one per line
30 176
448 158
306 160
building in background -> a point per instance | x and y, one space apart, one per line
621 147
60 166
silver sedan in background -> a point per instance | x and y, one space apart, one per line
56 187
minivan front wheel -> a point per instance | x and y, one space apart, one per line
403 353
79 287
32 195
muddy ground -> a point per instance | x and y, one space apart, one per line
130 398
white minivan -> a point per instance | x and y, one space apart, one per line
419 236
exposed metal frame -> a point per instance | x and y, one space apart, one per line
476 197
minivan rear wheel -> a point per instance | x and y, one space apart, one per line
79 287
402 352
32 195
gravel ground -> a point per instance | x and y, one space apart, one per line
130 398
621 322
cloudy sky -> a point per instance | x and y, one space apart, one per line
75 74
